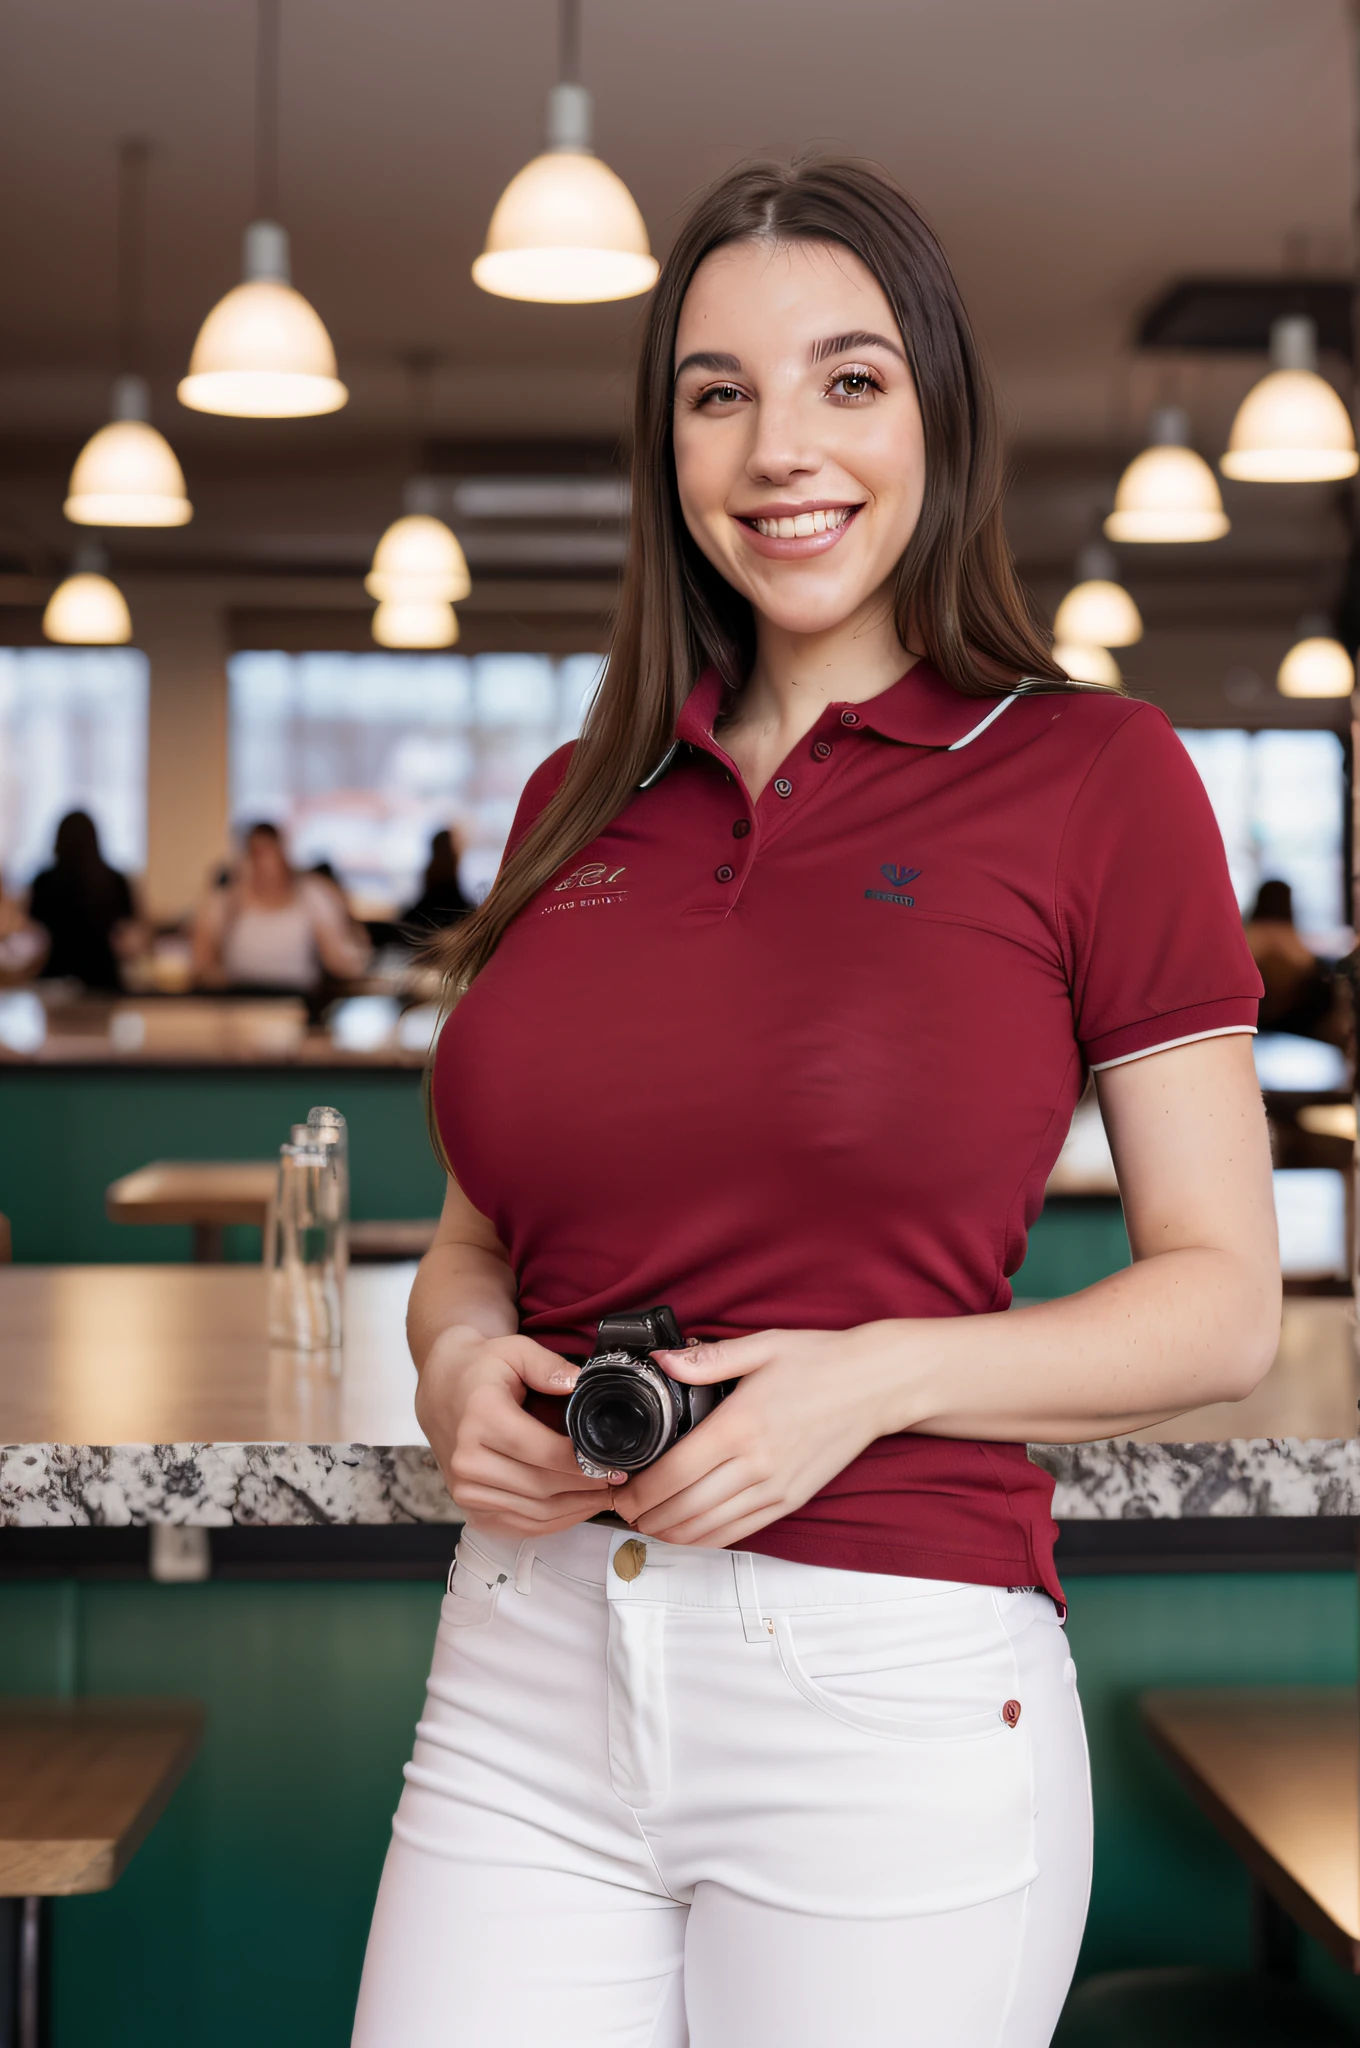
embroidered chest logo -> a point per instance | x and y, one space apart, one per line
899 877
587 887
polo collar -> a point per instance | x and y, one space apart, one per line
920 709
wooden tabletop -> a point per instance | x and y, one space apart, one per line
82 1782
178 1354
193 1191
1278 1773
193 1031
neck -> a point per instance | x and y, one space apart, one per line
796 675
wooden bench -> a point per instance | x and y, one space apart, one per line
82 1783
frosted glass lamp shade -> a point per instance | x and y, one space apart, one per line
1316 666
418 558
1291 428
262 353
127 475
87 611
1098 613
566 231
1087 664
1167 494
415 622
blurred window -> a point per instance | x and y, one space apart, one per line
1278 798
361 758
72 737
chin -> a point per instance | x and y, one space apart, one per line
806 611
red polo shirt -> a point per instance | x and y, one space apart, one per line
807 1062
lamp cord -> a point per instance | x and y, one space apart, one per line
130 253
267 111
569 42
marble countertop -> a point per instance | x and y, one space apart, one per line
149 1394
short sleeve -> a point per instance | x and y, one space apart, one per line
1150 926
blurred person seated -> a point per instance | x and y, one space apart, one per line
441 901
270 929
23 944
87 909
1303 994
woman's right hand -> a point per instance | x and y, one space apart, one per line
508 1473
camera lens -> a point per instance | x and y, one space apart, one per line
619 1419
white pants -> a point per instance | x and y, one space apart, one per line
731 1802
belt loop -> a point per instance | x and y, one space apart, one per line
524 1565
754 1626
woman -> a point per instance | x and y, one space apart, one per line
778 1013
271 928
86 907
441 901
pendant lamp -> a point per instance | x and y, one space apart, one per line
87 609
566 229
126 474
1317 665
1087 664
263 353
418 557
415 622
1291 428
1098 611
1168 493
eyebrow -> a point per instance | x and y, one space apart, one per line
846 344
834 345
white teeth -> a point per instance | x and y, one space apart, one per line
803 524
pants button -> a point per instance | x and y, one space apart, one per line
629 1558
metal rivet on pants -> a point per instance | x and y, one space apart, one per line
631 1556
1010 1713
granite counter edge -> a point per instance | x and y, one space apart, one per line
278 1485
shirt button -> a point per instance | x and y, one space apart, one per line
821 750
849 718
741 828
782 786
722 874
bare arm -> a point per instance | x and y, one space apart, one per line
506 1470
1194 1319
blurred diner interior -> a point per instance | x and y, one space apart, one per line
270 688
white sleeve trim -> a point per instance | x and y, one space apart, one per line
1192 1038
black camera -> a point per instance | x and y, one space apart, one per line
624 1410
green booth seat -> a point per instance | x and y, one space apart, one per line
1196 2008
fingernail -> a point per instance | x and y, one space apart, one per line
566 1378
618 1479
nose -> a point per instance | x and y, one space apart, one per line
783 445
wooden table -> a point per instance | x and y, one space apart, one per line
180 1354
82 1783
207 1194
210 1193
1278 1774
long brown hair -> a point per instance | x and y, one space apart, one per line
957 594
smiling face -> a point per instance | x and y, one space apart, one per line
799 450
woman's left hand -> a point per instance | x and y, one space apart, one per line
809 1402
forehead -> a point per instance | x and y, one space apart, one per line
764 298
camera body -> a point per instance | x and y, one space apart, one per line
624 1411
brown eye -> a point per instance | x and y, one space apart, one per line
855 384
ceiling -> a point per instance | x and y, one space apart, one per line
1075 155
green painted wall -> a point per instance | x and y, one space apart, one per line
243 1917
65 1134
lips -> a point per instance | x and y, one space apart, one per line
793 536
